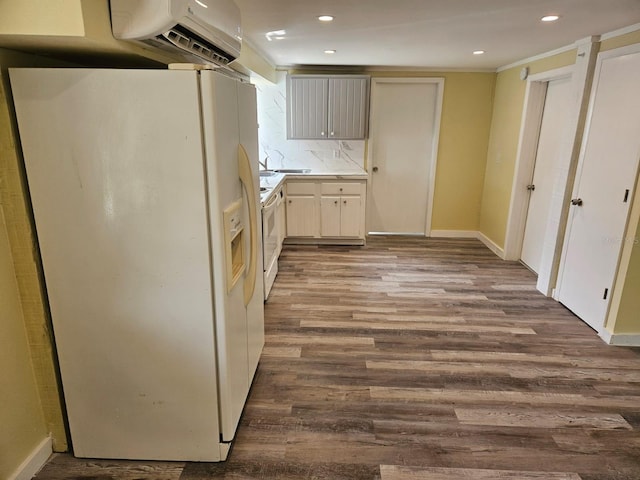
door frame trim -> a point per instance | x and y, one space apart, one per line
439 82
535 97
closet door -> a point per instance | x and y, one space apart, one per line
604 186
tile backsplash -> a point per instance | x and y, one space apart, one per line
339 156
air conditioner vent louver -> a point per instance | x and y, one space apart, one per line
190 42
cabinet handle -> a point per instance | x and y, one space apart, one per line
345 202
340 189
332 134
289 201
336 202
375 169
322 133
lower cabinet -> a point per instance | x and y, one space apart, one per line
326 211
302 210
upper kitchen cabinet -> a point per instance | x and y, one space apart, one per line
327 107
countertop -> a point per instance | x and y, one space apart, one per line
272 182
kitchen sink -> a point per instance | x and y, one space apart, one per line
293 170
268 173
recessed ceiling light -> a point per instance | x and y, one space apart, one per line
478 52
329 52
550 18
325 18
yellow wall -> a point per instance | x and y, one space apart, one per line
50 17
630 38
628 318
23 426
464 140
13 198
503 143
462 152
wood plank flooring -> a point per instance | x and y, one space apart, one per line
420 359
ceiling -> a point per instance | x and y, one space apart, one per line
425 33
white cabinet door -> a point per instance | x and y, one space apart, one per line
302 216
341 216
606 177
351 216
348 107
307 107
330 216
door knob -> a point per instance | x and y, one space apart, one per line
375 169
576 201
531 187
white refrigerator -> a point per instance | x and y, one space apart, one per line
144 187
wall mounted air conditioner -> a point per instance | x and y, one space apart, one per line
198 30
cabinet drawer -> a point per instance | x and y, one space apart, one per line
301 188
336 188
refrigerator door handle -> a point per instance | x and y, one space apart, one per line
246 177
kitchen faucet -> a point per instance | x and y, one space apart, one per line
264 164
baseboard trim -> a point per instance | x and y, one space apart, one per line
454 234
323 241
34 462
491 245
621 339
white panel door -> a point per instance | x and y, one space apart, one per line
115 169
555 118
402 135
606 177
